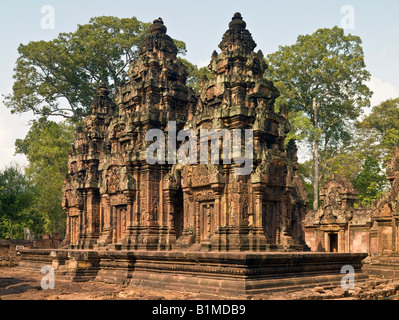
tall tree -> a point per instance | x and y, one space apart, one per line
196 75
60 77
46 147
381 128
370 182
322 82
16 195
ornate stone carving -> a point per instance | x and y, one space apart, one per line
337 218
163 206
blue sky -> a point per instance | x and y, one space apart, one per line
201 25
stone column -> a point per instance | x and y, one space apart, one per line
130 196
170 212
89 213
136 203
80 225
113 224
106 231
197 222
218 189
341 241
67 239
256 218
217 210
258 238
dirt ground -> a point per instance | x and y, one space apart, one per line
19 285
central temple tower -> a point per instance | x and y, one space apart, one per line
262 210
115 198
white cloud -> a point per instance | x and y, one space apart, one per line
204 63
382 91
12 127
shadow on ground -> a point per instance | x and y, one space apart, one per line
9 285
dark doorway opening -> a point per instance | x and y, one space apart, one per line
179 213
333 242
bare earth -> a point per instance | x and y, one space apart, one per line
21 285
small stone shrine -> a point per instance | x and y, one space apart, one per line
338 226
384 258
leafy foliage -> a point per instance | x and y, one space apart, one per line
16 196
46 147
60 77
381 127
321 79
370 182
195 74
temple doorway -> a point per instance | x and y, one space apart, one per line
333 239
178 216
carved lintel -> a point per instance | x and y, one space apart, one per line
330 228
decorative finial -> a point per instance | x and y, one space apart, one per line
237 22
237 34
158 27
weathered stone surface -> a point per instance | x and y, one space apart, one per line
224 273
385 232
115 198
386 211
179 226
338 226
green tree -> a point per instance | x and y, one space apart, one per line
60 77
195 74
370 182
46 147
322 82
16 195
381 128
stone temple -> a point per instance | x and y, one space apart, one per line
338 226
114 197
193 226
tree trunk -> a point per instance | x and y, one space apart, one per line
316 159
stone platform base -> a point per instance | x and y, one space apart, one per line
237 274
382 266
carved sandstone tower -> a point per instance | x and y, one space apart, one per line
115 197
209 225
134 208
82 183
130 207
264 208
